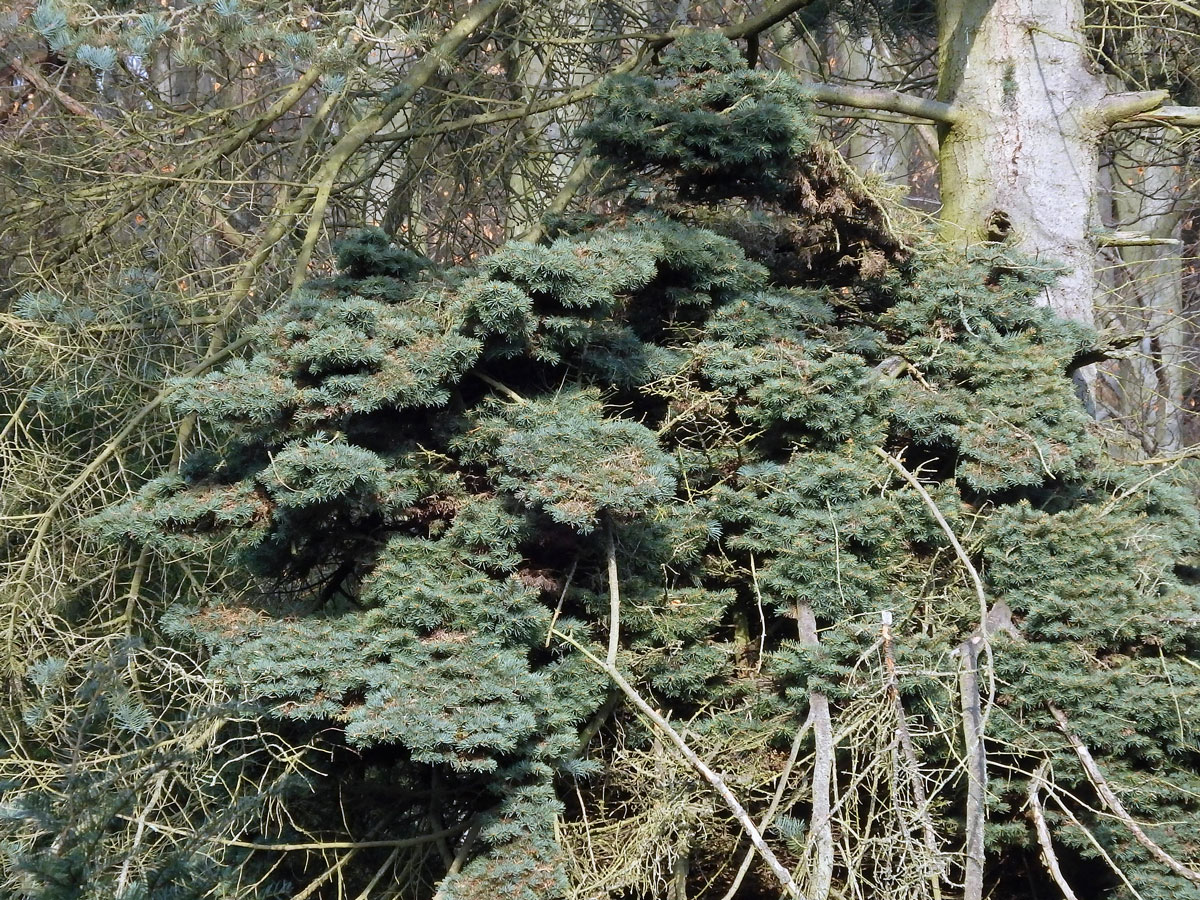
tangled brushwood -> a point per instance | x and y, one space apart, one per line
735 461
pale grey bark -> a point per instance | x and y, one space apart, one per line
820 826
1023 155
715 780
1021 112
1113 802
614 600
976 767
1049 858
907 752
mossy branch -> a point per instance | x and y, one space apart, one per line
441 53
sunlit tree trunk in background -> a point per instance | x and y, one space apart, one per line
1022 113
891 150
527 70
539 159
1146 298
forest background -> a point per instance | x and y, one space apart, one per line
169 173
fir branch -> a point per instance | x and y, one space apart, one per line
777 798
1099 847
905 741
973 718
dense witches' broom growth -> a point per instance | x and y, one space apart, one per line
429 473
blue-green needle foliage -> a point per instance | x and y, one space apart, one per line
713 126
419 466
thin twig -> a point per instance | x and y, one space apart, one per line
430 64
1104 854
904 737
501 387
315 885
973 717
769 816
561 598
916 485
378 876
309 846
762 617
460 859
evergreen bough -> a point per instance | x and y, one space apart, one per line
426 470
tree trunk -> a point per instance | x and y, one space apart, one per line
1022 157
1147 289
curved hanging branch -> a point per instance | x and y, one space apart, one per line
777 798
973 717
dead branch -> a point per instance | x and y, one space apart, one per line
904 737
1049 859
883 101
820 823
1113 802
769 816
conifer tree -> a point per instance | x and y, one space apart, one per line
673 433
